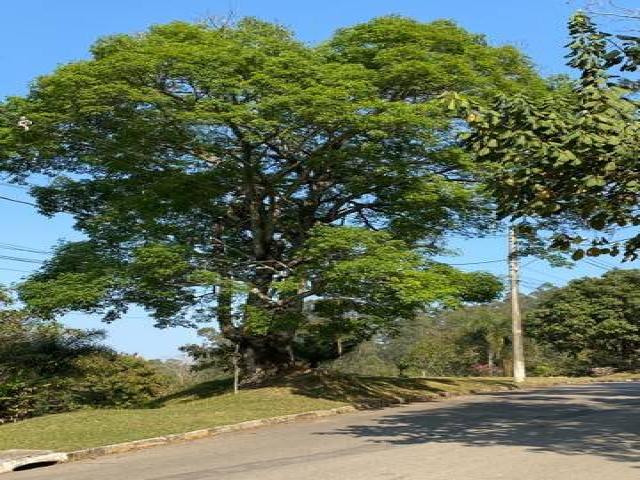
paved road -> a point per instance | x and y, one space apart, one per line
573 432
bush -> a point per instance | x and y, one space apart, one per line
116 380
602 371
23 396
486 370
543 360
47 368
19 399
99 380
364 360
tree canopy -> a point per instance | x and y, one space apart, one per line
595 320
231 172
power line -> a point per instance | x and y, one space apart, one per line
476 263
21 259
19 248
15 270
535 279
472 237
529 285
621 240
594 264
602 263
9 199
557 277
12 185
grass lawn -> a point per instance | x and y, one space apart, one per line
210 404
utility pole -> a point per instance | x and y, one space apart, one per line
519 374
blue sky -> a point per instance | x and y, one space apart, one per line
38 35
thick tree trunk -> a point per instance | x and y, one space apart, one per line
266 355
271 353
259 355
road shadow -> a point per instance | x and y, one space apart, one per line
595 420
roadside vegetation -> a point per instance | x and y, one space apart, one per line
584 328
212 404
589 326
46 368
292 200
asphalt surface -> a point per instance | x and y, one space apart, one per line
588 432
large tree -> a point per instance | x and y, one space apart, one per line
231 172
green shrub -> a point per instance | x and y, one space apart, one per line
116 380
363 360
97 380
18 399
48 368
23 396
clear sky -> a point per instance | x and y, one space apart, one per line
38 35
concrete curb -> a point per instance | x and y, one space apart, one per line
19 458
203 433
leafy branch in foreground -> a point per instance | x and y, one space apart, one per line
569 160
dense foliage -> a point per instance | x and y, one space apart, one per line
571 156
596 321
590 325
233 172
429 345
475 340
46 368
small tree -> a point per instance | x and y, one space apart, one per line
489 322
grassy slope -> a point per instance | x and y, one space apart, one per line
210 404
